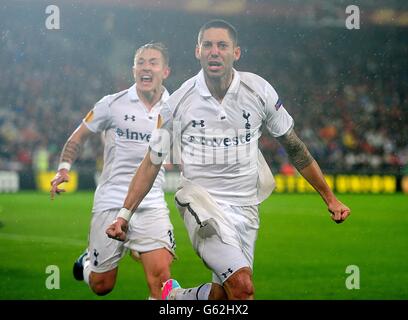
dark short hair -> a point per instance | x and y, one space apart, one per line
159 46
222 24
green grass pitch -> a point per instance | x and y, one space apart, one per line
300 252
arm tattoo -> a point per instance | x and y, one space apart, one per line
296 150
70 152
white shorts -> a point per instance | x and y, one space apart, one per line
149 229
222 258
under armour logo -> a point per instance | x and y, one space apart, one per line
96 254
133 118
226 273
198 122
246 117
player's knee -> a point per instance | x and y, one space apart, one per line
241 291
102 286
157 276
217 292
239 286
102 289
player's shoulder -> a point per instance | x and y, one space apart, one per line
257 84
109 99
185 89
250 76
254 83
253 80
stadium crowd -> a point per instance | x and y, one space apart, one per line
347 90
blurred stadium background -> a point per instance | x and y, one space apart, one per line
347 90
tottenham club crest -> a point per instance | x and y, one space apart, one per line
246 116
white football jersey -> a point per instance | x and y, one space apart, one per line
127 127
219 142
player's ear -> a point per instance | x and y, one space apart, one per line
197 51
237 53
134 72
166 72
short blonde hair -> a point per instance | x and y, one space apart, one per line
159 46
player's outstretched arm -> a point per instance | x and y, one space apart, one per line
140 185
310 170
69 154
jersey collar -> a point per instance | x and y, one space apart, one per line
203 89
133 96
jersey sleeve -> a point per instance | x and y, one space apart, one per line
99 119
278 121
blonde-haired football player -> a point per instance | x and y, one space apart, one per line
126 119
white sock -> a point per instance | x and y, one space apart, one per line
87 270
198 293
151 298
